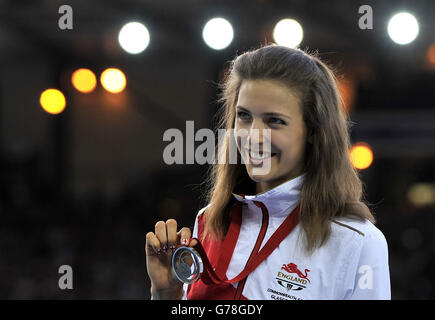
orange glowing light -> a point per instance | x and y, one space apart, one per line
346 87
431 54
113 80
361 156
84 80
52 101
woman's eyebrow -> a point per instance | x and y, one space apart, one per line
271 114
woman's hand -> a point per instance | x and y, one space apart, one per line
160 245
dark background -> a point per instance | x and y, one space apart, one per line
84 187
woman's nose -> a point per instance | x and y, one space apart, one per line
258 135
255 132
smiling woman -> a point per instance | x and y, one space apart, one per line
299 231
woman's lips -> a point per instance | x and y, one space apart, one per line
257 158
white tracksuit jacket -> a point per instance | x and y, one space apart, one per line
352 264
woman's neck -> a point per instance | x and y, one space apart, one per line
263 186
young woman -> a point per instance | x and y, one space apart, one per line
300 231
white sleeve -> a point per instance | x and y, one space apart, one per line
369 275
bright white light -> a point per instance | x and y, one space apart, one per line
288 32
403 28
134 37
217 33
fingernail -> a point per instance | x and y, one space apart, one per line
185 241
158 251
164 249
172 248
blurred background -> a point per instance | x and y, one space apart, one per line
82 177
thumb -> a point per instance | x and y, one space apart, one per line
193 242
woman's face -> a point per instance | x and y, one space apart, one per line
269 104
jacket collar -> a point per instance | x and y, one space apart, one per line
278 200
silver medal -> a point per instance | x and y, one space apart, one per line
187 264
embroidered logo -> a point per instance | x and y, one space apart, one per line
292 278
293 268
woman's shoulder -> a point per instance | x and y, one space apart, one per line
359 231
360 226
357 218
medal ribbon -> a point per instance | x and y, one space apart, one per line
212 276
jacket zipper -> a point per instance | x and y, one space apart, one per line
264 225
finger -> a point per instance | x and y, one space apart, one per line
171 233
160 229
184 235
193 242
152 244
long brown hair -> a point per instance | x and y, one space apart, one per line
331 185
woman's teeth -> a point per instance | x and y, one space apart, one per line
259 156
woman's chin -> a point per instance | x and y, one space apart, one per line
259 175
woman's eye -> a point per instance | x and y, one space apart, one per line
243 115
276 121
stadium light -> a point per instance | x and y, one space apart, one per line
52 101
361 155
113 80
218 33
134 37
403 28
84 80
288 32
